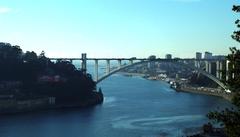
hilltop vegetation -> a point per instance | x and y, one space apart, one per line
34 76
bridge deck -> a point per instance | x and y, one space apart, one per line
140 59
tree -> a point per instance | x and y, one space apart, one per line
39 77
230 118
10 53
30 56
236 34
234 69
44 61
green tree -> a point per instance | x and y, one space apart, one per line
230 118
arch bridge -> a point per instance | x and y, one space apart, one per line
195 64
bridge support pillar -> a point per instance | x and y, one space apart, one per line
197 64
210 67
119 63
206 66
218 69
131 62
108 67
233 74
227 69
96 70
84 63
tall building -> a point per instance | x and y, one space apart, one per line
208 55
198 55
168 56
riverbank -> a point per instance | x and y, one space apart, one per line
46 103
132 74
226 96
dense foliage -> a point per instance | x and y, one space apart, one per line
28 69
230 118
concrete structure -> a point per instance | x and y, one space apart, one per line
208 55
218 69
136 61
131 61
197 63
210 67
206 66
119 63
198 55
84 62
108 67
96 70
227 70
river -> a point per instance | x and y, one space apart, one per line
133 107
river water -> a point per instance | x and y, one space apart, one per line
133 107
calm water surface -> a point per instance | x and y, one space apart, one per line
133 107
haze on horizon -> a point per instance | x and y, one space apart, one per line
119 28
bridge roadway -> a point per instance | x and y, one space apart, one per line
141 59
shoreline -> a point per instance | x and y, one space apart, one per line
18 107
225 96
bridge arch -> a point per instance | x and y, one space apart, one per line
119 69
210 76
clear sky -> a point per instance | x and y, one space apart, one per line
118 28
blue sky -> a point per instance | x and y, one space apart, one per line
118 28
